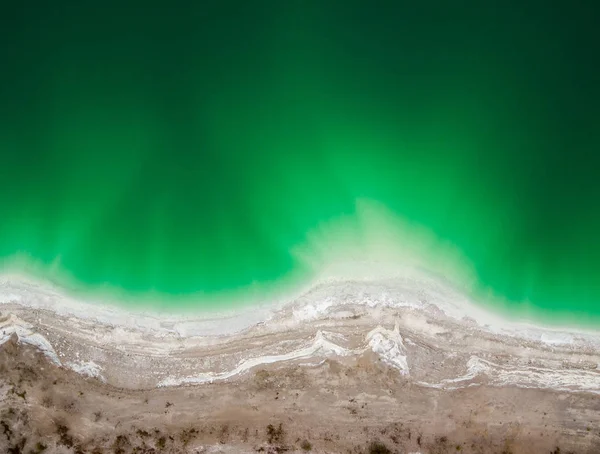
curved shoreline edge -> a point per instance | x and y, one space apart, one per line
417 325
454 303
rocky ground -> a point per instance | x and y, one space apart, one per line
393 366
346 405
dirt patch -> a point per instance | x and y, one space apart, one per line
49 409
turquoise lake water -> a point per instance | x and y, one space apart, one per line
189 148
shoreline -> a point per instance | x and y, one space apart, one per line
407 322
370 245
190 322
346 366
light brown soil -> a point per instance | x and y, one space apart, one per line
354 405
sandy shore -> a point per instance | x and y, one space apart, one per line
403 364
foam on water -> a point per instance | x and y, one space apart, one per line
380 262
373 244
322 300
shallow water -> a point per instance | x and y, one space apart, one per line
202 149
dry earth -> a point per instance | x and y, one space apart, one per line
350 405
350 367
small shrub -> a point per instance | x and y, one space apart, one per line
18 447
275 434
306 445
47 402
378 448
64 437
6 428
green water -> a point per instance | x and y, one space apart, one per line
187 148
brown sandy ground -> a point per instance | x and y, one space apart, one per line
355 406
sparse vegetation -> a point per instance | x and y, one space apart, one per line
73 416
306 445
377 447
223 433
17 448
64 437
187 435
121 444
47 401
264 380
275 434
6 429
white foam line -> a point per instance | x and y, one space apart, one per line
389 346
87 368
24 331
13 325
28 293
386 343
319 346
530 377
403 289
566 380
